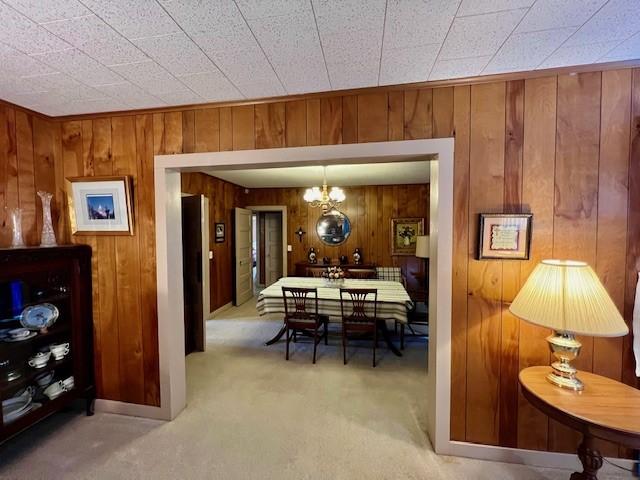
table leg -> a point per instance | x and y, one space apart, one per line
382 325
278 335
590 458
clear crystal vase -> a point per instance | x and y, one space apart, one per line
17 240
48 238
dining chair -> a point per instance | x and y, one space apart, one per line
361 273
300 316
356 317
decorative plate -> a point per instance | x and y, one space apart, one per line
20 339
39 316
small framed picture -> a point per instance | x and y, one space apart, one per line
403 235
219 232
504 236
100 205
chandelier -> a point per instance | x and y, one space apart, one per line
324 198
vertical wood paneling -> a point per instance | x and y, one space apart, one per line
44 167
372 117
226 129
330 121
538 159
243 127
418 114
509 363
269 125
350 119
296 123
172 132
396 115
8 171
576 197
313 122
485 277
443 112
462 127
26 177
188 131
207 130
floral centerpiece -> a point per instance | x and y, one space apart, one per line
333 275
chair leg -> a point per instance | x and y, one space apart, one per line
402 336
288 338
316 340
395 327
295 336
326 332
375 344
344 346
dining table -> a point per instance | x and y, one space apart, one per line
393 302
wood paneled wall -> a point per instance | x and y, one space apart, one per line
223 198
369 208
566 148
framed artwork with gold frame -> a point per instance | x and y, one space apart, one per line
403 235
100 205
504 236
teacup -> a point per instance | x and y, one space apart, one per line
54 390
19 332
68 383
39 360
59 350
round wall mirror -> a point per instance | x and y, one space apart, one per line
333 228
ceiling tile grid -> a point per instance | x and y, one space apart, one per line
65 57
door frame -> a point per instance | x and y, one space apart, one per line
285 245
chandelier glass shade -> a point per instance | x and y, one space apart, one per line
323 197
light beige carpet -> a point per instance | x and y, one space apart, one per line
251 415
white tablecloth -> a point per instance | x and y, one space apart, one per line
393 299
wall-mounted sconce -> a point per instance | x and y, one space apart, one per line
300 233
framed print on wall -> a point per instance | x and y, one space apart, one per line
504 236
100 205
403 235
219 232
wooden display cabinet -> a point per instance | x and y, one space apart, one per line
60 276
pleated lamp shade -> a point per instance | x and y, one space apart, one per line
567 296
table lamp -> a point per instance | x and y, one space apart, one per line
567 297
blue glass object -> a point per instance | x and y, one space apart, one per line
17 300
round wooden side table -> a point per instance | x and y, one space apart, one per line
605 409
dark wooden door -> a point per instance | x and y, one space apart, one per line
192 273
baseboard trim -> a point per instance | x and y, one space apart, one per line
221 309
131 409
532 458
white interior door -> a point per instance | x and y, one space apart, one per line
244 282
273 247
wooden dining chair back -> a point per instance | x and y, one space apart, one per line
301 316
361 273
359 308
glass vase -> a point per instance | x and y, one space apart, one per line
17 240
48 238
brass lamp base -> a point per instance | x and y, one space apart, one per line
565 348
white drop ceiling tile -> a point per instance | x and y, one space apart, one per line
31 100
53 10
18 64
150 76
177 53
226 37
577 54
261 90
287 35
246 66
479 35
479 7
50 81
212 86
628 50
617 20
303 76
458 68
91 106
547 14
128 93
79 66
271 8
186 97
25 35
353 74
14 86
139 103
417 22
407 65
97 39
352 46
517 54
201 17
134 19
339 16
